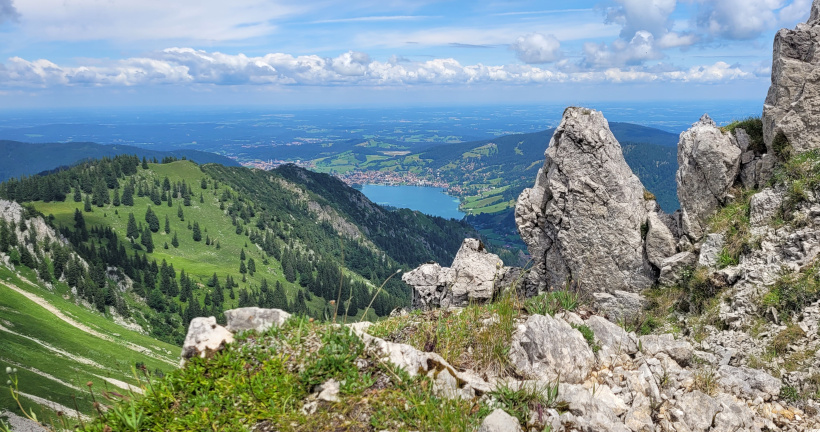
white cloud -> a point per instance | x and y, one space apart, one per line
642 15
797 11
537 48
739 19
622 53
186 66
8 12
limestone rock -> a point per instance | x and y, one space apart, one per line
748 383
429 282
791 113
611 336
710 250
546 348
474 274
679 350
205 337
329 391
764 206
499 421
708 163
660 243
619 305
474 277
254 318
672 267
699 409
582 219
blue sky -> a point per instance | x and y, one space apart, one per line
63 53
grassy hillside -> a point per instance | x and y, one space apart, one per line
57 354
287 238
198 240
23 159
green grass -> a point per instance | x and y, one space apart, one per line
263 381
51 346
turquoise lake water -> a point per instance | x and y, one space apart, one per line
429 200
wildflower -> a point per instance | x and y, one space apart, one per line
89 383
8 370
8 382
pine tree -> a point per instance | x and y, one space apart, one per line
242 255
251 266
78 197
147 240
144 163
175 241
116 198
242 268
87 204
196 232
167 225
203 184
180 214
132 231
152 220
280 298
128 195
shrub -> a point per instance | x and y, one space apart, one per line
754 128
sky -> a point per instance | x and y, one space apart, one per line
317 53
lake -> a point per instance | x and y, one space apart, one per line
428 200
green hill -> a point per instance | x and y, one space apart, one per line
23 159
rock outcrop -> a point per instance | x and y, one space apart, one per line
474 277
791 114
254 318
204 338
708 164
549 348
587 215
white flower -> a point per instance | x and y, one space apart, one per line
8 370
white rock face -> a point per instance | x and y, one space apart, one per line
546 348
582 219
254 318
764 206
474 277
499 421
660 243
672 267
792 107
748 383
710 250
708 164
205 337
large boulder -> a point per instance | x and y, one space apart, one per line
547 348
586 216
708 164
474 277
204 338
791 113
254 318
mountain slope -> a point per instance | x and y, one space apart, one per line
21 159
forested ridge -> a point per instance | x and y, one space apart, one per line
162 243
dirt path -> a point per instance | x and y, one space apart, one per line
49 307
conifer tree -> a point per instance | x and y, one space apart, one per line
167 225
152 220
147 240
175 240
132 231
197 234
116 198
78 197
242 268
180 214
251 266
87 204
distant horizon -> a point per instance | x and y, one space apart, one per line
149 53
